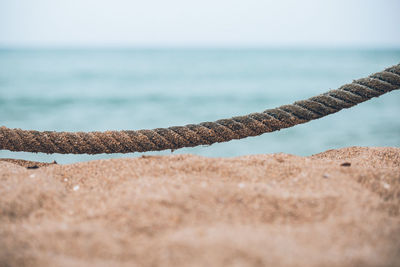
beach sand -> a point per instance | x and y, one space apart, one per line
337 208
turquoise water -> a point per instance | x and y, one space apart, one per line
87 90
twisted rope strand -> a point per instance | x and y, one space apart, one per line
205 133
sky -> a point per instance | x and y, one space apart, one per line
130 23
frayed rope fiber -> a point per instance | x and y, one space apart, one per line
205 133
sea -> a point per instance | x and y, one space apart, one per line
99 89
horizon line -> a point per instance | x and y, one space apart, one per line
193 47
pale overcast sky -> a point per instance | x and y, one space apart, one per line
316 23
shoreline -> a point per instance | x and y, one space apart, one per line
339 208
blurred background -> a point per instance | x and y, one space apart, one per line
113 65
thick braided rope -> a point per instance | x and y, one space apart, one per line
205 133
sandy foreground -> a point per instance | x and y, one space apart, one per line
184 210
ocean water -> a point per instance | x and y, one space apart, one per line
113 89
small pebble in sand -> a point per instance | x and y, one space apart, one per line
32 176
346 164
33 167
76 188
325 175
386 185
241 185
65 179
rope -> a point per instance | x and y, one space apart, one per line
205 133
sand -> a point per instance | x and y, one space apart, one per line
337 208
